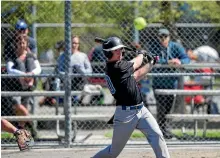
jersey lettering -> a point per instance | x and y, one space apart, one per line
110 85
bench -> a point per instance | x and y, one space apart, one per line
191 117
195 118
56 117
188 93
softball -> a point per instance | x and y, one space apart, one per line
140 23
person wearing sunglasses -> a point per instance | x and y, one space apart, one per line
169 53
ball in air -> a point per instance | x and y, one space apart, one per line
140 23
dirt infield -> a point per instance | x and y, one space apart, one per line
189 152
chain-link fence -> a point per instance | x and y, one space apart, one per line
62 39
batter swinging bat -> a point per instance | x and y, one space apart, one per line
100 41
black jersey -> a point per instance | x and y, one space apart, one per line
121 83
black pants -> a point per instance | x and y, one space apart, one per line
164 105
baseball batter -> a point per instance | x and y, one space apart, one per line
130 113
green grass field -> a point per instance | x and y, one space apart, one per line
6 135
210 134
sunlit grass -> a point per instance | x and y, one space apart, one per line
209 133
6 135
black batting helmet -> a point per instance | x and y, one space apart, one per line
110 44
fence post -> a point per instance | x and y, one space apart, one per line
181 98
67 97
34 28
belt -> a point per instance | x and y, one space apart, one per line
132 107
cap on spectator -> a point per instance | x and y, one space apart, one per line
21 25
59 45
163 31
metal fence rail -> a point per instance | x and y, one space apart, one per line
57 117
187 92
45 93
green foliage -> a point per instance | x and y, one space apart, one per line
119 13
208 10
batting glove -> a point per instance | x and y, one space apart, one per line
151 59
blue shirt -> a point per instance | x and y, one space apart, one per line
61 63
174 50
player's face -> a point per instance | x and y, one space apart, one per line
118 53
164 40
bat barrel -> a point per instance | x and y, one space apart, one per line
99 40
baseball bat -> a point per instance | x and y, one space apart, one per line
99 40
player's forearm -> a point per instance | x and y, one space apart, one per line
137 61
140 73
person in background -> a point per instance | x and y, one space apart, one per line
79 60
21 27
60 48
51 84
79 64
9 49
202 54
24 63
170 53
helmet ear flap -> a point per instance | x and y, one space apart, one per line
108 54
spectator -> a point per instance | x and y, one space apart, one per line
25 63
79 63
60 47
171 53
21 27
50 83
202 54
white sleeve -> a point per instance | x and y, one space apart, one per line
11 70
37 70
